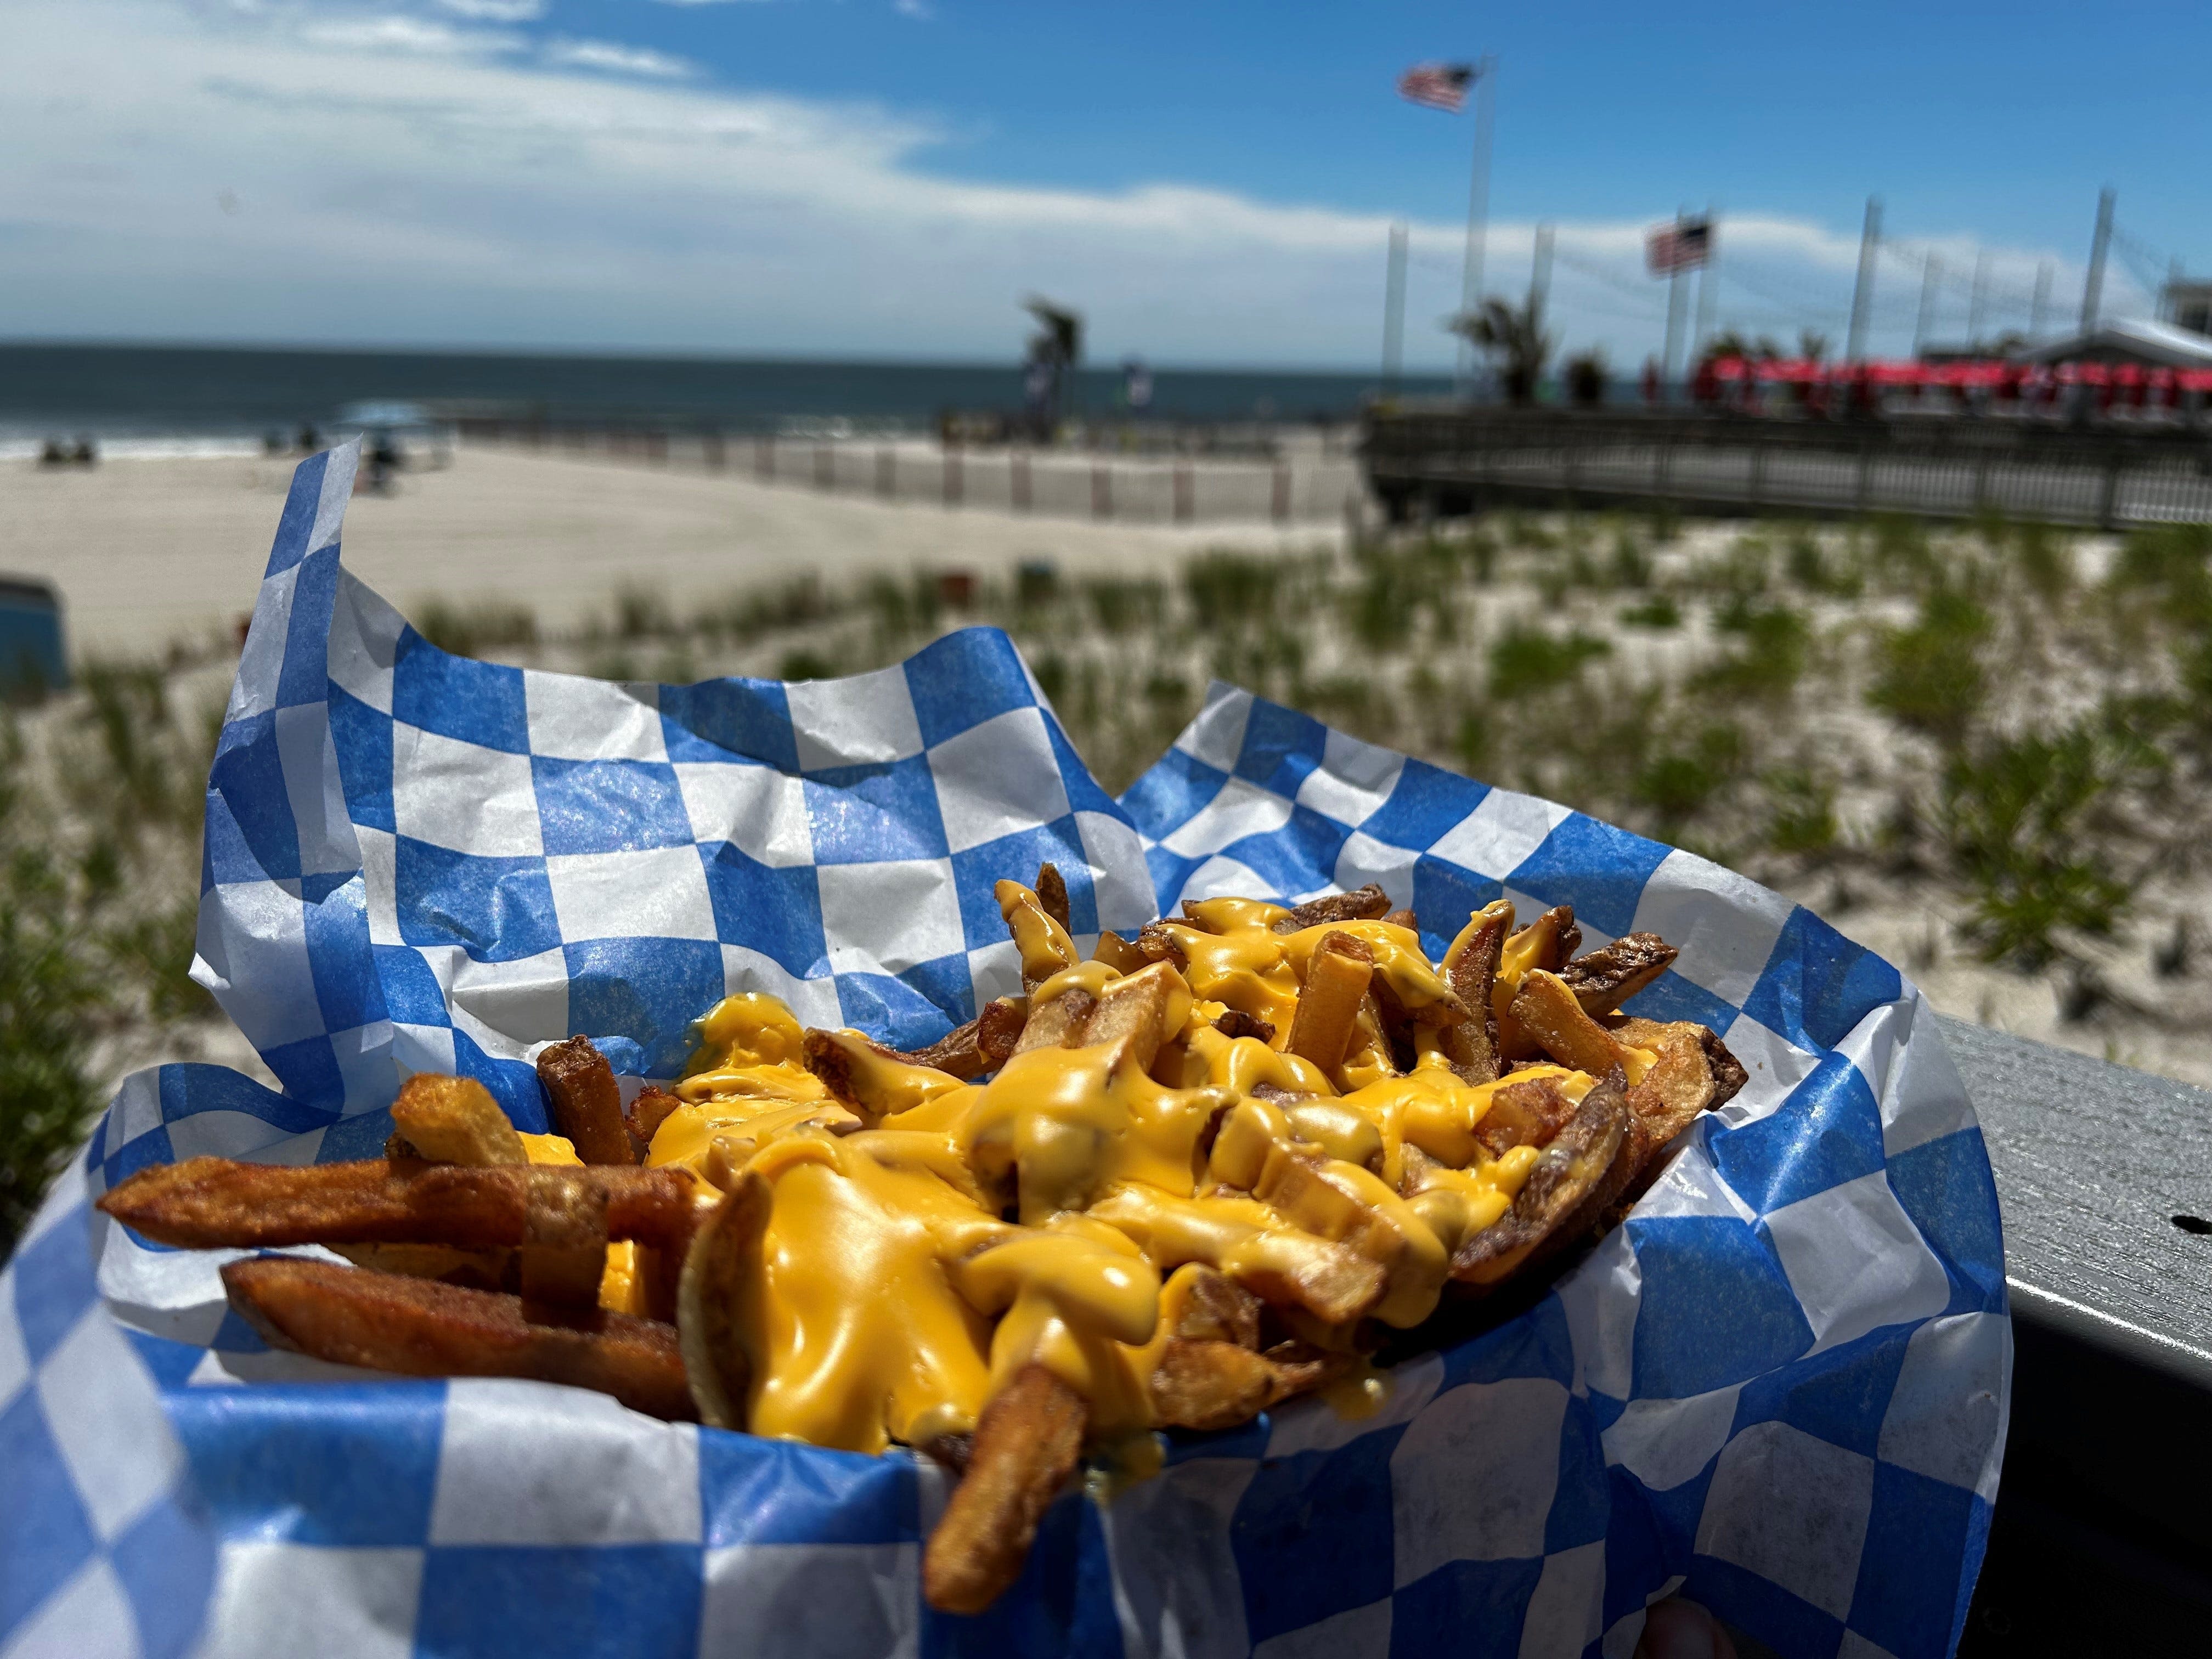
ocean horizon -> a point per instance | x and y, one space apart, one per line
224 400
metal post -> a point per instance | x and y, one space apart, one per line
1708 274
2108 491
2042 303
1862 292
1674 331
1394 313
1540 270
1981 294
2093 291
1930 274
1478 211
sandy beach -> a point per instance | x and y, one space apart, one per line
149 552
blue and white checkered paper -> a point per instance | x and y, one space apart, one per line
1779 1390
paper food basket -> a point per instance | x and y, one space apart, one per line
1780 1389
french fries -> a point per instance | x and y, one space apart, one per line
211 1203
420 1327
1267 1136
586 1102
1329 1001
1026 1446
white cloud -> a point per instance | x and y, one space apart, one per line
398 32
495 11
921 10
478 194
616 59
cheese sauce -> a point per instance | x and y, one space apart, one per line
926 1238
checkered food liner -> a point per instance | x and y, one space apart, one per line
1779 1389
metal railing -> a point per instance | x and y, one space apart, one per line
2104 478
1292 487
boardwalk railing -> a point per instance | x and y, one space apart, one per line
1294 487
1435 462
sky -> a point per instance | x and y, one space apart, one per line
1208 183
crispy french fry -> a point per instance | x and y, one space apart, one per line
866 1079
1547 1010
1404 918
1365 904
1607 978
1328 1003
1134 1010
1118 953
648 1112
1205 1384
1563 1195
1058 1023
1546 943
980 1046
564 1249
1470 968
208 1203
454 1120
1052 894
1025 1447
1693 1074
420 1327
586 1102
1236 1022
1281 1265
1044 942
1525 1113
725 1253
1156 943
1215 1308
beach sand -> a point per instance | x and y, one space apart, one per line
146 553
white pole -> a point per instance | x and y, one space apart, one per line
1707 275
1477 214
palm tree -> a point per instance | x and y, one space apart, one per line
1514 337
1054 350
1812 345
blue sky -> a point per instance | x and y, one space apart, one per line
1210 184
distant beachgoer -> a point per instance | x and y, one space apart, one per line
53 453
383 461
309 440
272 443
86 452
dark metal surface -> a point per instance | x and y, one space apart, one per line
2101 1535
2092 1162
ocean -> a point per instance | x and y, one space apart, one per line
186 400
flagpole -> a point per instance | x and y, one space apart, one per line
1477 213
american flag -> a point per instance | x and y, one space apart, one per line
1682 246
1440 86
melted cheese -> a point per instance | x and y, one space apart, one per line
909 1269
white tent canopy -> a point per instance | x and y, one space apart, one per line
2131 340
